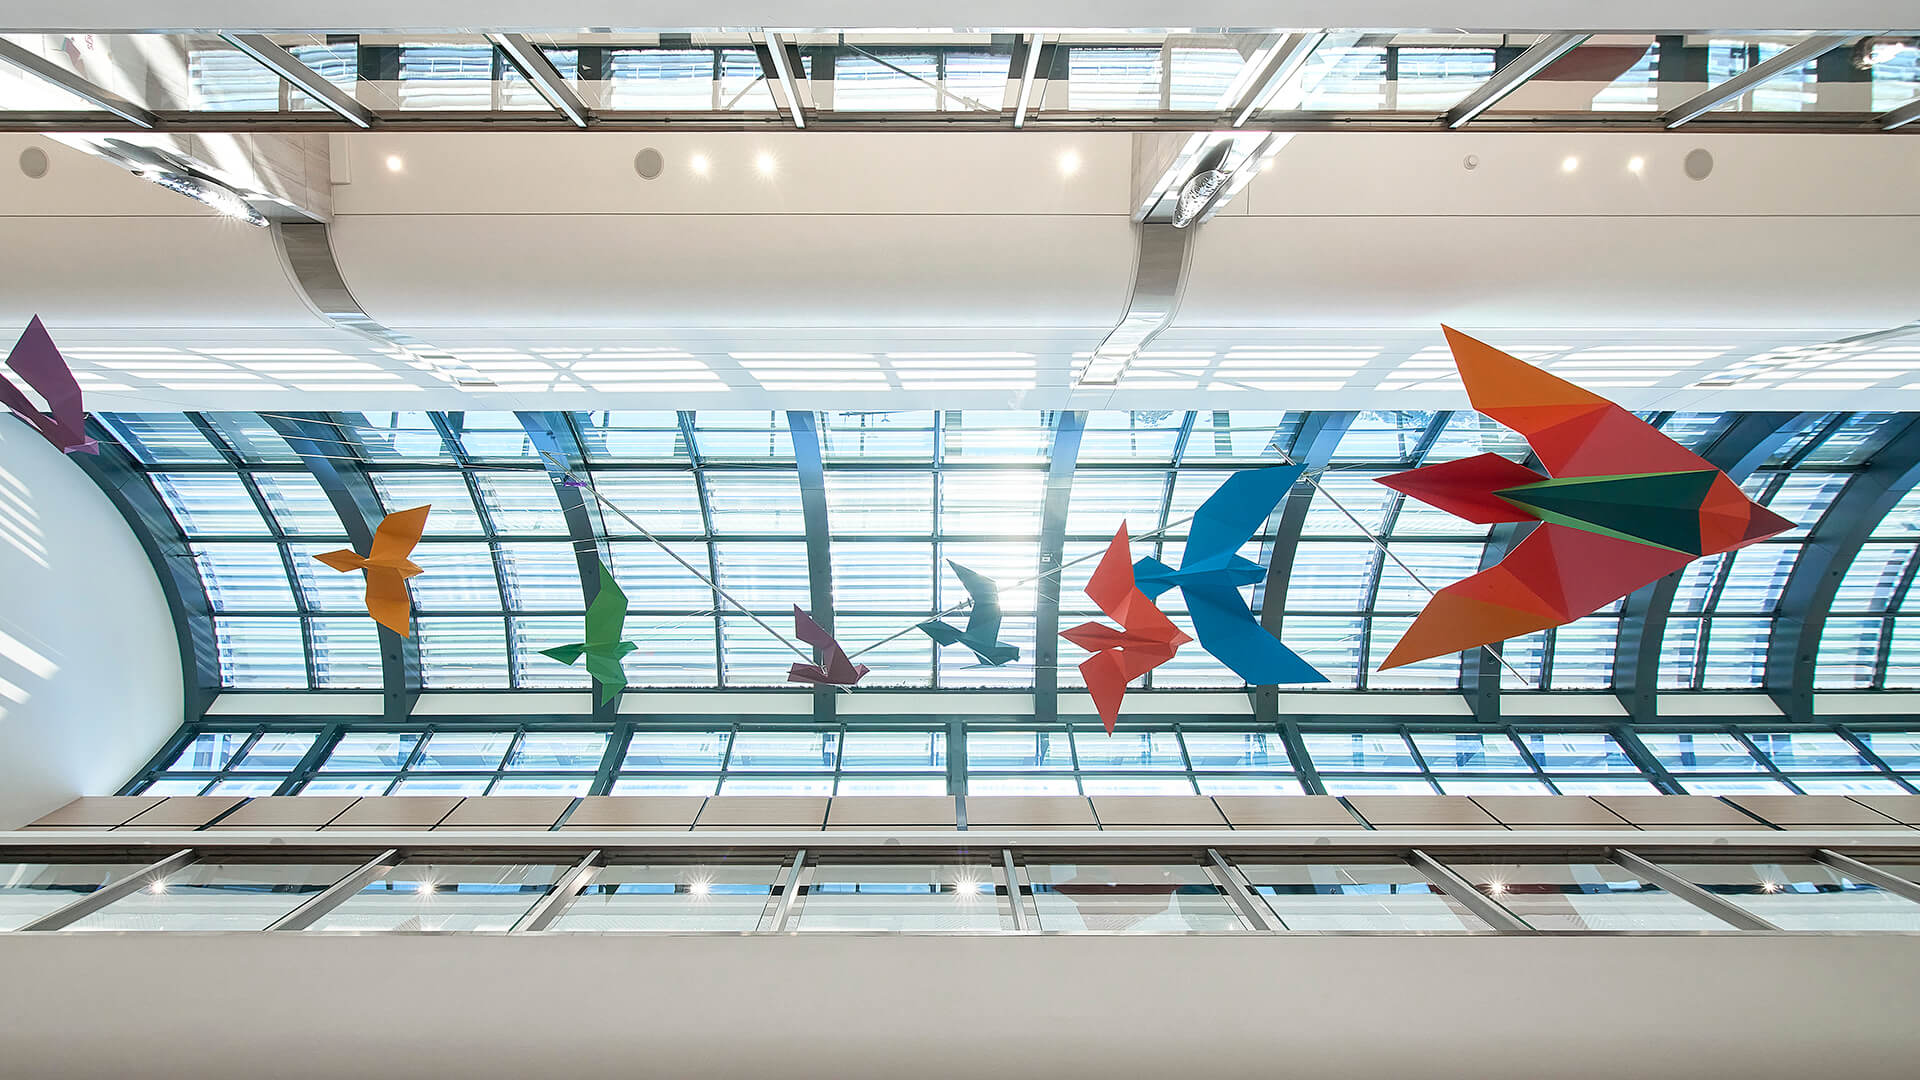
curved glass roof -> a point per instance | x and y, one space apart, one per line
907 491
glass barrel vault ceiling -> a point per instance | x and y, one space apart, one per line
1195 78
904 493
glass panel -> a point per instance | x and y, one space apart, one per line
29 890
1136 785
1248 785
1377 752
1584 896
676 750
1899 749
847 895
460 751
1129 750
210 504
1021 785
462 652
218 896
1359 894
1347 785
1577 752
346 653
1803 895
663 785
1122 897
1236 750
370 752
755 503
555 751
262 653
1610 73
445 894
210 751
1464 752
298 504
712 897
276 752
784 751
1812 750
1701 752
919 786
988 750
894 751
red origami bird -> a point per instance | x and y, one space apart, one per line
1623 506
1146 638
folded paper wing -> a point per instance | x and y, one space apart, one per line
1145 639
835 668
39 364
1212 571
1621 506
387 567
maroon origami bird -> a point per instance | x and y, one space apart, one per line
37 361
835 668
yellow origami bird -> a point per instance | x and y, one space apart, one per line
387 567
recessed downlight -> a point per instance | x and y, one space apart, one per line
33 162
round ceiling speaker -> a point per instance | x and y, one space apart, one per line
1699 163
33 162
648 163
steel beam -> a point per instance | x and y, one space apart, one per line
549 907
1313 446
39 66
110 892
309 81
778 67
1743 447
542 75
809 461
1014 892
334 895
1472 899
1900 117
1873 875
1512 75
1029 66
783 909
1068 427
554 439
319 439
1765 71
1829 552
1251 909
119 476
1283 61
1722 909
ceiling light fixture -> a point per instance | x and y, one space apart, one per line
1635 164
766 163
1069 162
1569 163
220 198
1198 193
395 163
700 165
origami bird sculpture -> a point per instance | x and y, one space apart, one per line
835 669
606 619
982 634
1211 573
1146 638
39 364
1622 506
387 567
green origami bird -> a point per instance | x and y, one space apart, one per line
606 617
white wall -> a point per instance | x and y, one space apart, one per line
1068 1007
90 681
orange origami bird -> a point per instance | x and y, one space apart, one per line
1621 505
387 567
1146 638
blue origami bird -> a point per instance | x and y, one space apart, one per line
982 634
1211 573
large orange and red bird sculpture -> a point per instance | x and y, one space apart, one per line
1622 506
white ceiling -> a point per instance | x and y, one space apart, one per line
914 270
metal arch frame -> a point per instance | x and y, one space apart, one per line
552 433
443 422
1313 447
1738 451
1831 546
1883 651
810 462
350 490
125 482
1062 461
688 436
1429 436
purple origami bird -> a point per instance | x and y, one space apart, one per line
36 360
838 670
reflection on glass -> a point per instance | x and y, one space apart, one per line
1355 894
29 890
1139 898
445 894
1796 895
1584 896
849 895
218 896
718 896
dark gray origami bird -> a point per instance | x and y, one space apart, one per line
982 634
